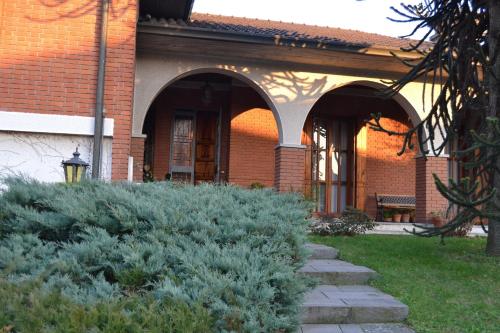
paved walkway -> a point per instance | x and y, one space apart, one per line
391 228
343 303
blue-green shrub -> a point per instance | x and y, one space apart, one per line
233 250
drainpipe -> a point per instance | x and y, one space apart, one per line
99 104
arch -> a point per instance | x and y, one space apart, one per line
398 98
368 158
140 111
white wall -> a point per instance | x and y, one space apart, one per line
35 145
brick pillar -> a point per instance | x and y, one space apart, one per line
137 152
289 169
428 197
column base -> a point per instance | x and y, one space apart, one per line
428 198
289 169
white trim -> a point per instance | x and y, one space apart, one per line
130 169
420 155
51 124
290 145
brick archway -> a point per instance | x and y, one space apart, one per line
245 134
147 93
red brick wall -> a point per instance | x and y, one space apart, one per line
49 62
428 198
290 163
137 152
254 136
249 132
386 172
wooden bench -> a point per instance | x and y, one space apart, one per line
393 201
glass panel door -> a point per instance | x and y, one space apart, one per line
319 163
341 165
332 164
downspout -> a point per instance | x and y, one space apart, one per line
99 104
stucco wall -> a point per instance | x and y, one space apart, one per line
290 92
35 144
39 155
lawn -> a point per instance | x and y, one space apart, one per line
449 288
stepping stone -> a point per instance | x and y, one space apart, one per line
337 272
355 328
322 251
327 304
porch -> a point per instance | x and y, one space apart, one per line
213 127
277 115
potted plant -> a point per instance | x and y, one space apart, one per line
405 216
438 218
388 215
396 217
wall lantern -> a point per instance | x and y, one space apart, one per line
74 168
207 94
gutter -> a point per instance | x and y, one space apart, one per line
163 28
99 105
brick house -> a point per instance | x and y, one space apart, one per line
199 97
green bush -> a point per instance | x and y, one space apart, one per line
232 250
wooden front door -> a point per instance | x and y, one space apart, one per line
331 153
194 147
206 147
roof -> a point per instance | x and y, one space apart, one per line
273 30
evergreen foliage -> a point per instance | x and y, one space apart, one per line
461 72
235 251
25 308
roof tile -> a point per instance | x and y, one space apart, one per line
285 30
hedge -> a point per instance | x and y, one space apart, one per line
233 252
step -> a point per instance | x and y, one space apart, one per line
332 271
322 251
327 304
355 328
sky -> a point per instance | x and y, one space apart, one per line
367 15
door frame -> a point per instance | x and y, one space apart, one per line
171 167
218 136
351 180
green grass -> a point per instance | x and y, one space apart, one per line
449 288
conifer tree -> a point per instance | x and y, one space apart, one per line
463 65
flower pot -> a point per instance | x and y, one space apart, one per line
396 218
438 221
388 219
405 218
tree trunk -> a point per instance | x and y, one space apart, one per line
493 242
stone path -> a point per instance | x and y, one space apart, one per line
343 303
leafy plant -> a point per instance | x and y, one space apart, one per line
352 222
257 186
388 213
93 243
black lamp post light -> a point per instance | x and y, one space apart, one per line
75 169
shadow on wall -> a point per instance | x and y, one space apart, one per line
284 86
59 9
53 71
